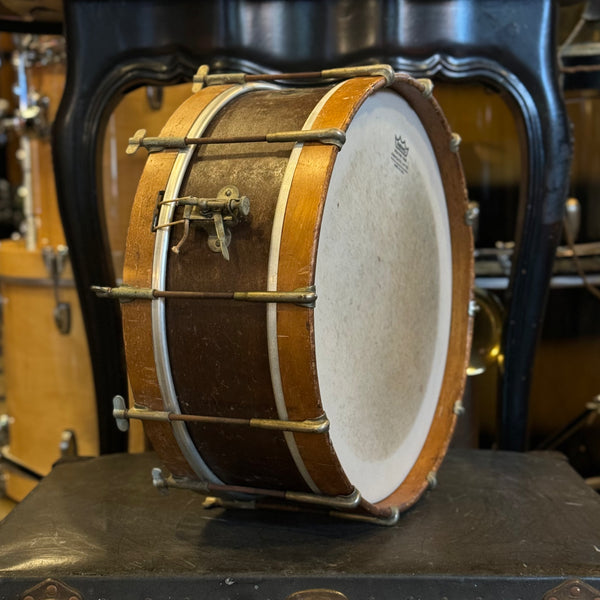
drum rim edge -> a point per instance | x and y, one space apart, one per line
441 428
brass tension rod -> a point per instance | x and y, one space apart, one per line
304 296
203 77
240 139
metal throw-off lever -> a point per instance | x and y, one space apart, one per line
215 215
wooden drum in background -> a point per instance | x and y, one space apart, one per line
378 227
48 375
145 107
49 385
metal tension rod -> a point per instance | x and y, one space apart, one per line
333 502
202 78
122 414
332 136
124 293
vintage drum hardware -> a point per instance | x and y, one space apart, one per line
472 217
230 495
155 97
572 219
68 444
332 136
211 502
51 589
55 261
122 414
215 215
310 212
302 296
32 111
202 77
5 422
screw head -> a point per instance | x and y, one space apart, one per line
51 590
575 590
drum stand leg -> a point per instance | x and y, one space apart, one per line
457 39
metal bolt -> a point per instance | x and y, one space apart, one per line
244 207
74 598
427 87
455 141
472 214
28 598
51 590
473 308
575 590
200 78
158 479
432 479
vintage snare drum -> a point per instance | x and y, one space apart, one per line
296 311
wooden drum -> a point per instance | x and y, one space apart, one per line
336 381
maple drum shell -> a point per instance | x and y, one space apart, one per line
253 360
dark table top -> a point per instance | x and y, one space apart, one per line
523 522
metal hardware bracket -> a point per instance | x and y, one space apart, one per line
303 296
334 502
331 136
215 215
228 496
121 414
55 262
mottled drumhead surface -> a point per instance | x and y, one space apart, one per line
384 284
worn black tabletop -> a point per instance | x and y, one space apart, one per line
497 525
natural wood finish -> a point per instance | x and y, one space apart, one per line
297 261
296 269
221 366
49 81
137 271
48 375
121 172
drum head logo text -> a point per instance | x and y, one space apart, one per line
400 155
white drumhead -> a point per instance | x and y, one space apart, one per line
384 285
